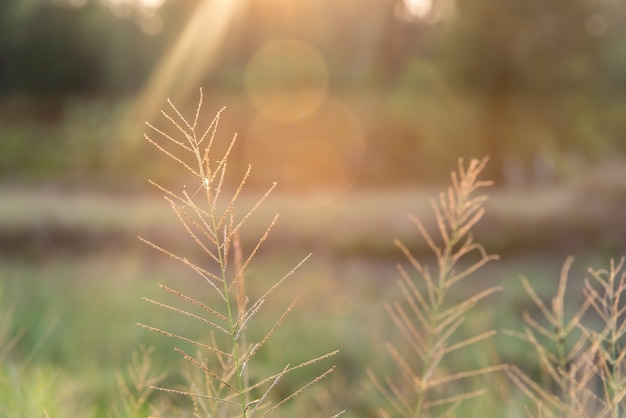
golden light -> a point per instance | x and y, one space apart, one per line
596 25
418 8
429 11
147 4
287 79
319 156
151 4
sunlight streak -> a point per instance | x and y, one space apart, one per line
190 58
418 8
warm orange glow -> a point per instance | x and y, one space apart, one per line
152 4
287 79
426 10
418 8
148 4
320 155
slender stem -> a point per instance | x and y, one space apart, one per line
231 320
220 255
613 375
446 263
444 271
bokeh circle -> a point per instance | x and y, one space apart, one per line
286 79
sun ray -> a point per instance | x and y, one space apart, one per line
191 56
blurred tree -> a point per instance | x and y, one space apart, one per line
56 49
543 76
523 54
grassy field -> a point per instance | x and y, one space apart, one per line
583 215
79 319
73 275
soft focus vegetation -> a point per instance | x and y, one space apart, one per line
104 279
359 110
386 91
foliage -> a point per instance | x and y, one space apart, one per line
549 84
426 319
27 389
74 368
50 49
230 385
230 329
582 356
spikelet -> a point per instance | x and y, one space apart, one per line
219 374
425 319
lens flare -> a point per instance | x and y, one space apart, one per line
287 79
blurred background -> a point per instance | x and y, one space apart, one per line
359 109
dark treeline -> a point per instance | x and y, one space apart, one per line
542 77
531 47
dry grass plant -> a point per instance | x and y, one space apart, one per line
137 384
26 388
225 360
426 317
582 354
8 339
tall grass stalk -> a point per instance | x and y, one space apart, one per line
225 360
136 385
582 354
426 318
8 339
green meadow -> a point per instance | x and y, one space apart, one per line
411 208
75 275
